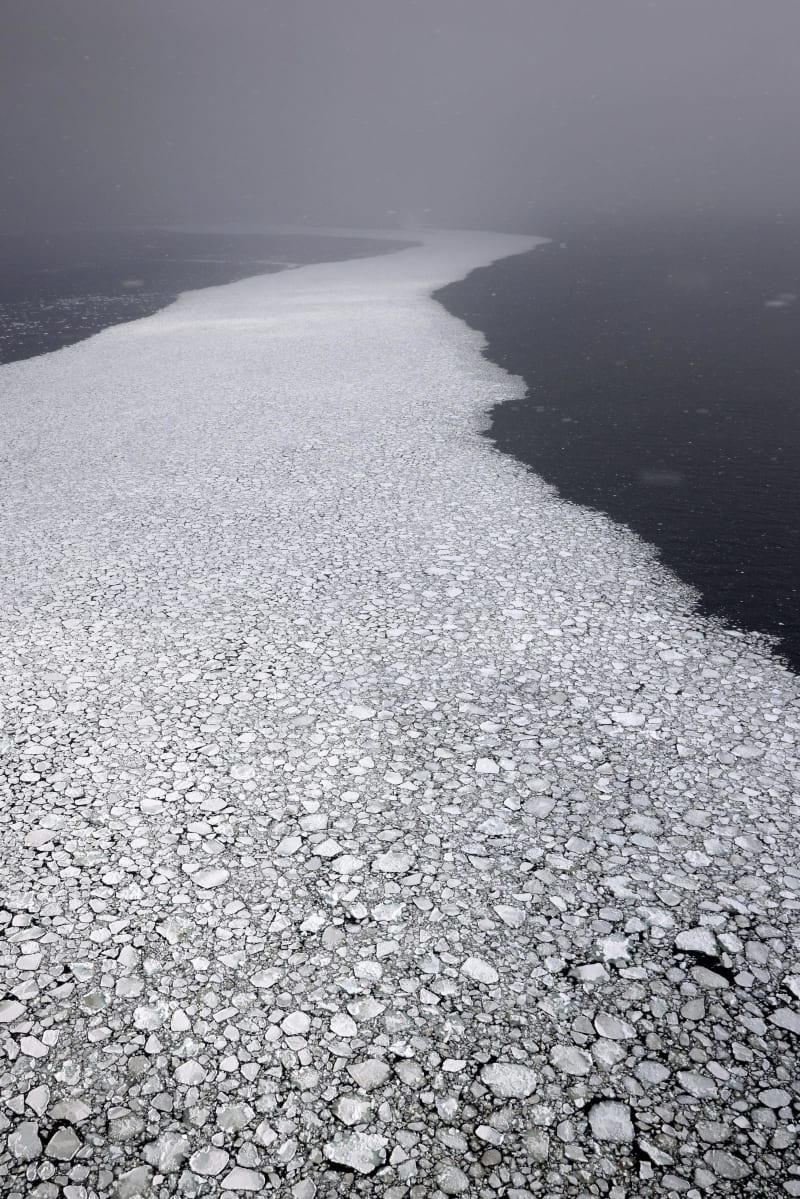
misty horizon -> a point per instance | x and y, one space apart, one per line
515 116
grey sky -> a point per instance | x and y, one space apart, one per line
476 112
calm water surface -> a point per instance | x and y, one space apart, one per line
59 288
662 364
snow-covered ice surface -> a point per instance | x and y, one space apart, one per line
374 821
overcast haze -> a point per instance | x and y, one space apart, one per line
494 113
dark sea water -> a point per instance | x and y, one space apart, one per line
59 288
662 363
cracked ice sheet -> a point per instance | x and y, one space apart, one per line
367 807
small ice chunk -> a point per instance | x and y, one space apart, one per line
628 720
479 971
190 1073
168 1153
613 1028
785 1018
362 1152
208 1162
210 877
63 1144
347 863
360 712
509 1080
296 1024
352 1109
697 940
369 1074
393 863
343 1025
264 980
241 771
242 1179
611 1121
487 766
570 1059
10 1011
513 917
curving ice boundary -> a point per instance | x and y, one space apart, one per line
367 807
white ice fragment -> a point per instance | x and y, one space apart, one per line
214 804
513 917
539 806
370 1073
611 1027
451 1180
570 1059
494 826
509 1080
359 1151
234 1116
190 1073
63 1144
168 1153
132 1184
792 983
241 771
24 1142
591 972
352 1109
296 1024
38 1099
611 1121
265 980
175 929
613 949
697 940
786 1019
487 766
210 877
347 864
702 1086
748 750
360 712
709 979
727 1165
208 1162
343 1025
10 1011
393 863
149 1018
242 1179
288 846
628 720
39 838
479 971
327 848
73 1111
33 1047
387 912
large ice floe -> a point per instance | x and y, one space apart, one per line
374 821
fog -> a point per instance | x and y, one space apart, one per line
511 114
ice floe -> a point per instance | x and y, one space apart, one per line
372 818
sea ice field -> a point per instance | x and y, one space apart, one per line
375 821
